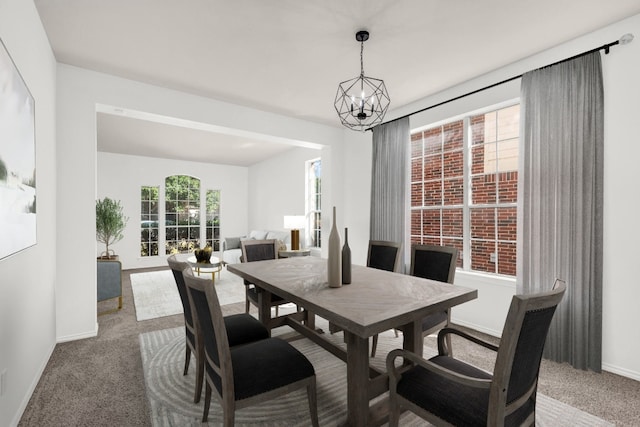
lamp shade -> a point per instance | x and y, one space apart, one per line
295 222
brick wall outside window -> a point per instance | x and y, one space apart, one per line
438 205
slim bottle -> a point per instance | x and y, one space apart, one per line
333 265
346 260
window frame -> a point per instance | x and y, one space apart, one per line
465 262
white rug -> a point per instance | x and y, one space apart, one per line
170 393
155 293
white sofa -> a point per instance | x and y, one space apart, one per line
231 245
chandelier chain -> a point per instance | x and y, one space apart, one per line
361 59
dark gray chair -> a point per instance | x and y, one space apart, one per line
259 250
383 255
435 263
245 375
241 328
447 391
109 282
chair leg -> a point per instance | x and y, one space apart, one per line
187 359
396 331
246 305
313 402
199 379
228 412
374 345
277 310
207 402
394 411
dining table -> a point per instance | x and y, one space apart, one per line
375 301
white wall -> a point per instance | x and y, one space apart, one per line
277 188
27 284
621 339
121 176
79 91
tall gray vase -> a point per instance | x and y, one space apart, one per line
333 264
346 260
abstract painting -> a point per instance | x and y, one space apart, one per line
17 160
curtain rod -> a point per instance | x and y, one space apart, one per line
625 39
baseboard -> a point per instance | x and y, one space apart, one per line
76 337
621 371
477 328
32 388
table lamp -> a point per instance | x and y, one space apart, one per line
295 223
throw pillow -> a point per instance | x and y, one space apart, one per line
232 243
258 235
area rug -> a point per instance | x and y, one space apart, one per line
155 293
170 393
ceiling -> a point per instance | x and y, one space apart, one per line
288 56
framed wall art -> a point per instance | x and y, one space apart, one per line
17 160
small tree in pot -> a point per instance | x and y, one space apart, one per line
110 223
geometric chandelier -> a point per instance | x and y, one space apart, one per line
362 102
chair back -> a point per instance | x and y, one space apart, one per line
258 250
515 377
176 268
384 255
208 315
434 262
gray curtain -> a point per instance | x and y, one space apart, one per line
389 181
560 188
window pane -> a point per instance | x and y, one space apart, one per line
475 205
452 223
431 222
416 194
148 220
483 224
432 167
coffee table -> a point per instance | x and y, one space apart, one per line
213 266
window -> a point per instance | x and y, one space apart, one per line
464 176
182 214
213 219
149 221
314 199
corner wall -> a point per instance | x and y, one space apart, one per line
27 284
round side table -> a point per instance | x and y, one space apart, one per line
213 266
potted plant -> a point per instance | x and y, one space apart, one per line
110 223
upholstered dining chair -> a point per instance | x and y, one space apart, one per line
447 391
241 328
245 375
435 263
383 255
259 250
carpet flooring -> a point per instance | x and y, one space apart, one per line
171 394
99 381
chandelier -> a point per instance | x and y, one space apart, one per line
362 102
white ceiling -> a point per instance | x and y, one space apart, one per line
288 56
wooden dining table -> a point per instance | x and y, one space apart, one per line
374 302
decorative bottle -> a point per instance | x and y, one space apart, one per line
333 265
346 260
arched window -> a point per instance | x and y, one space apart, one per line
182 214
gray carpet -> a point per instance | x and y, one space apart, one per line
170 393
99 381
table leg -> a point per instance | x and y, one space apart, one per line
412 337
357 379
